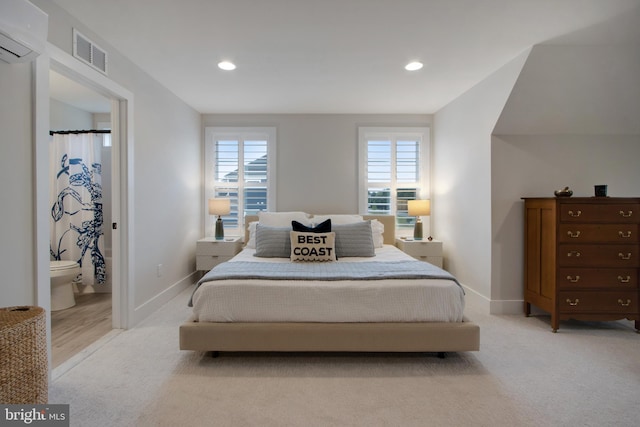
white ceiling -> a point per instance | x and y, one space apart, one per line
330 56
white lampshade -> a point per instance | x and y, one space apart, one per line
419 207
219 206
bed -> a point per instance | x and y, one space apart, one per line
235 313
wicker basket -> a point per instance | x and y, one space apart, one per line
24 366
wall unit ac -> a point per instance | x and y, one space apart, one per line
23 31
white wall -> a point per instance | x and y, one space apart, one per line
168 189
167 177
317 155
576 90
571 120
16 174
461 195
535 166
559 116
66 117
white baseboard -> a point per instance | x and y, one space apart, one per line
145 310
507 307
490 306
475 299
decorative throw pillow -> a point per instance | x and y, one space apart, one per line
312 246
354 240
324 227
272 242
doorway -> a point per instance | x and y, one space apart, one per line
121 120
81 306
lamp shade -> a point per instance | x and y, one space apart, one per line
419 207
219 206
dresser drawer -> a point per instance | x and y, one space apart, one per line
619 278
218 248
207 262
419 248
605 233
582 258
614 212
597 255
423 250
598 301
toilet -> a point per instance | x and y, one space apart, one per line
62 275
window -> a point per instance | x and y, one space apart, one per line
239 165
394 168
106 138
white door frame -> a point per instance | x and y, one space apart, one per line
122 137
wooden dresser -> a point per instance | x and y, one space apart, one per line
582 258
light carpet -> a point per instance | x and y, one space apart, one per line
587 374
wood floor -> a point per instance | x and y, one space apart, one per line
77 327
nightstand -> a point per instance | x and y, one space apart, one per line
211 252
422 250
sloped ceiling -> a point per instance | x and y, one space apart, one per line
585 83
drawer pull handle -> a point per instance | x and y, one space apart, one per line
626 235
574 303
624 304
623 256
575 235
574 279
626 215
575 254
578 213
624 280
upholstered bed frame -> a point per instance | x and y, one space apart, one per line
317 337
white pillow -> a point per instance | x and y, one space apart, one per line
283 219
377 229
337 219
252 235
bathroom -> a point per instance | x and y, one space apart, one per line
81 304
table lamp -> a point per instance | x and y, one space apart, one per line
419 208
219 207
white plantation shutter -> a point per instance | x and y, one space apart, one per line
240 165
226 160
394 169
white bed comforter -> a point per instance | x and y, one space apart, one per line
390 300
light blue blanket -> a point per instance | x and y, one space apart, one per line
325 271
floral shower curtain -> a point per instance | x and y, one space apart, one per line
76 202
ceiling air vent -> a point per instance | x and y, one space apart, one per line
88 52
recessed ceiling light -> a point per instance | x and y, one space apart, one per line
413 66
227 66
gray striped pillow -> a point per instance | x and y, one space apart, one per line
354 240
272 242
